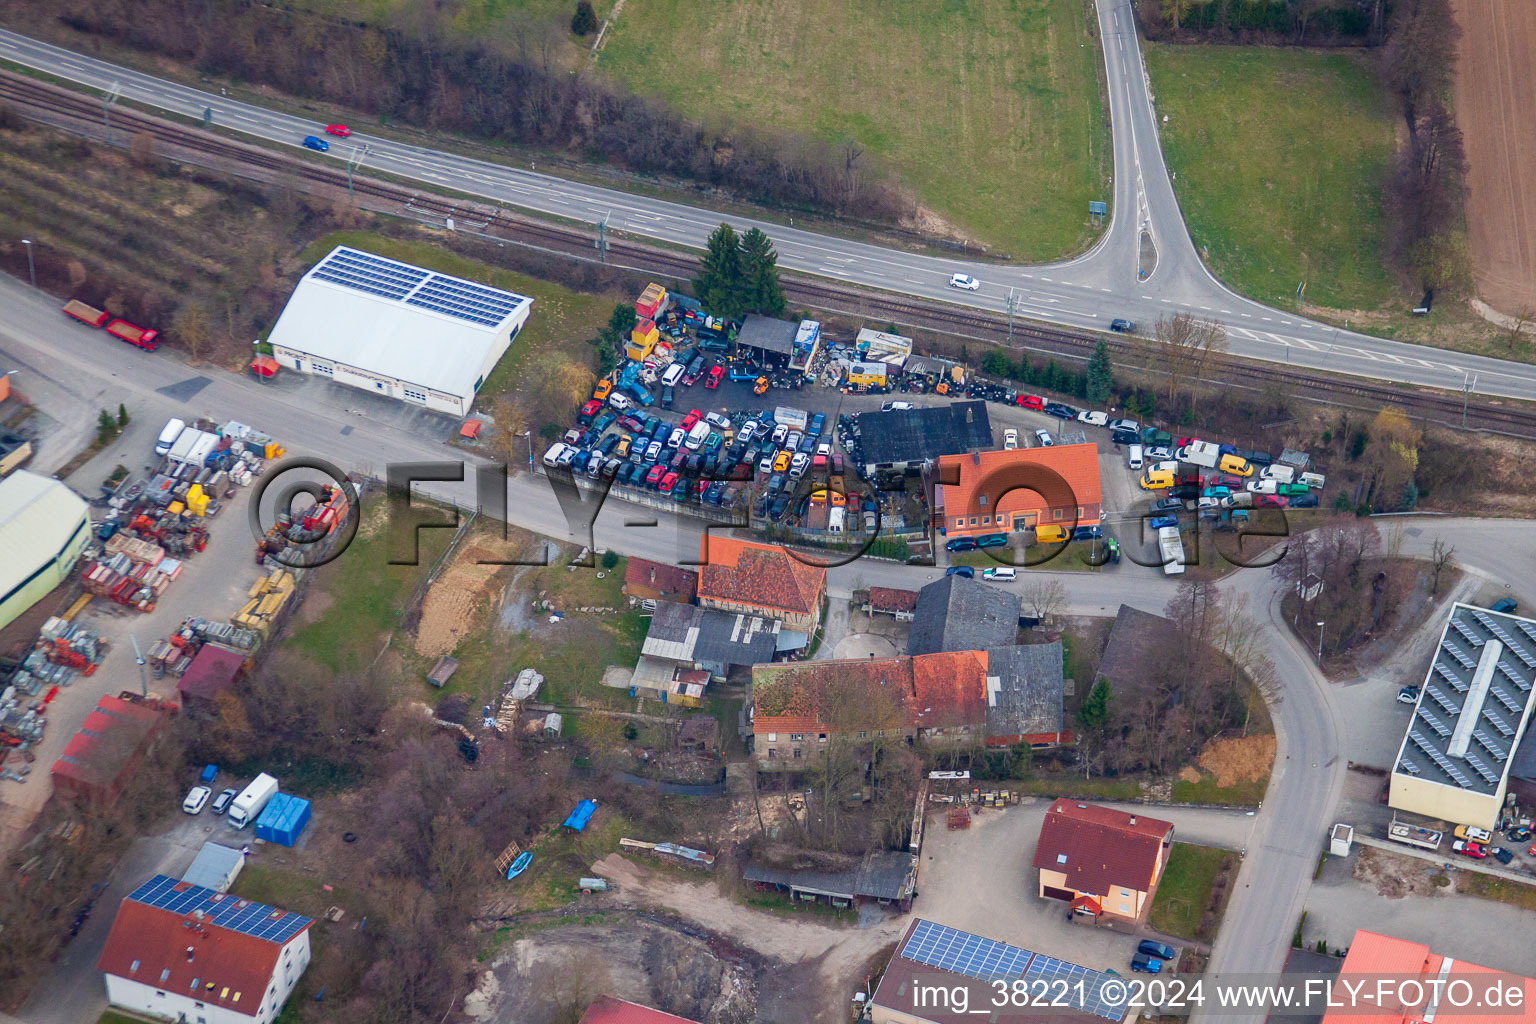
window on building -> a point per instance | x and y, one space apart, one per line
973 520
1056 513
822 737
986 520
773 737
414 394
1125 908
982 500
797 752
324 369
796 737
959 520
772 754
863 734
1079 511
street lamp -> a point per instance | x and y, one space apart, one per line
529 435
31 267
1320 626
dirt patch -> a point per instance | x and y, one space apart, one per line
1237 760
828 958
1189 773
448 612
1396 877
1496 112
313 607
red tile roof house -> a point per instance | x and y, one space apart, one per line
890 601
1101 862
183 952
112 742
1017 490
609 1010
1417 972
654 581
761 579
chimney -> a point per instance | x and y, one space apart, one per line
976 457
189 954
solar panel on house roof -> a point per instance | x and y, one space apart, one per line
366 272
256 919
950 949
465 300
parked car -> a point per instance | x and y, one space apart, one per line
961 544
1502 855
668 396
1167 505
1051 534
992 540
1146 964
1010 439
1133 457
316 143
1044 437
221 802
1122 325
1408 695
1000 574
1505 606
716 374
1084 533
1472 833
896 406
1159 522
196 799
341 131
1061 410
1093 418
1477 851
1304 501
1162 951
961 570
964 281
1128 425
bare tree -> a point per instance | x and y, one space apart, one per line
1188 348
193 327
511 424
1045 597
1517 326
1440 555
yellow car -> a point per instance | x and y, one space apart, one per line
1236 465
1156 479
781 462
621 450
604 389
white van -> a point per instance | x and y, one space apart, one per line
1313 480
552 457
620 401
168 436
696 436
673 374
1133 457
1278 473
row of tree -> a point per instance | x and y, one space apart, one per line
739 275
1302 22
416 66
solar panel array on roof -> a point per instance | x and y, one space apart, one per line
950 949
256 919
366 272
465 300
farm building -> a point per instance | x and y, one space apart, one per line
43 527
397 330
100 759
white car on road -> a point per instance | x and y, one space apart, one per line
965 281
1010 439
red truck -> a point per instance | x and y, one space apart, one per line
143 337
86 314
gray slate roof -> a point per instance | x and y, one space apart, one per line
1028 696
882 874
959 614
1136 638
921 435
686 632
767 333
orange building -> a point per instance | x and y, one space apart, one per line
1374 957
1012 491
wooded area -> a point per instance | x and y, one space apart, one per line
421 70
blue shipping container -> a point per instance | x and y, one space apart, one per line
283 819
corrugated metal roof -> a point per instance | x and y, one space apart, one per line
397 320
38 517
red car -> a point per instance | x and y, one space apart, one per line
654 477
1268 501
668 482
339 130
688 421
716 374
1034 402
590 410
1477 851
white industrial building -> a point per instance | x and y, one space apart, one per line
393 329
1474 708
43 527
181 952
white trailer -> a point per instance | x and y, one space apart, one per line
1172 547
794 419
247 807
1200 453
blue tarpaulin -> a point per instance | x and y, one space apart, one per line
581 815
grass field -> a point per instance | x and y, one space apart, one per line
989 110
1279 156
1185 890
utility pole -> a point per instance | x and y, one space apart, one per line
138 656
602 237
106 108
32 270
352 165
1320 626
1010 317
1467 384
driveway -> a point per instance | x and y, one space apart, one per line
980 879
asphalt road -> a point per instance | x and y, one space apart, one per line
74 371
1085 292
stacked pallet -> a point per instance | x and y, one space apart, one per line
269 597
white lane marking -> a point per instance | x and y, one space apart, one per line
1264 318
1045 279
1248 315
1103 289
1227 311
1206 308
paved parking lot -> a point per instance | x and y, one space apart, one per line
979 879
1466 927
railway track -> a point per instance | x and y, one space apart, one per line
82 113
